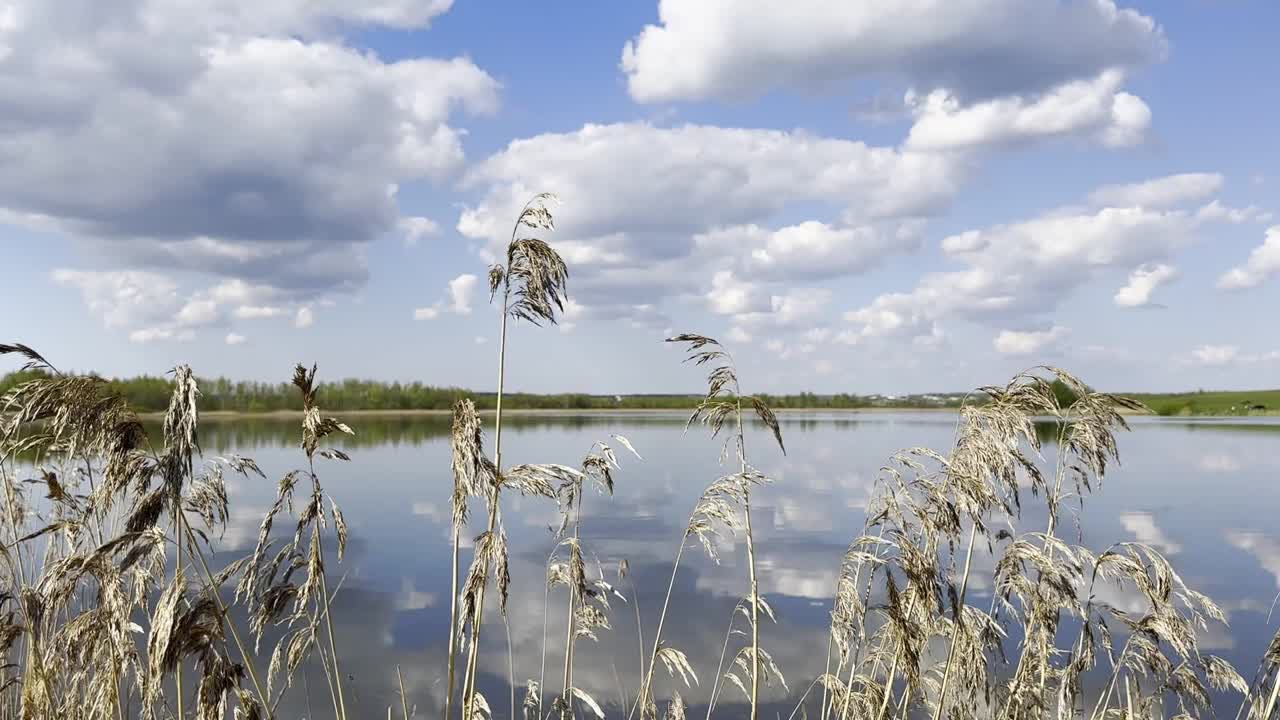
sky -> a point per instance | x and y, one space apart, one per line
851 196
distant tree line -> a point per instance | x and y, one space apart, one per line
151 393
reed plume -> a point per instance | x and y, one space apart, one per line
533 286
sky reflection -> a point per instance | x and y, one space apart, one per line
1190 489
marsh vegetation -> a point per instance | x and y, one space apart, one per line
115 602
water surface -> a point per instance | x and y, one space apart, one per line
1199 490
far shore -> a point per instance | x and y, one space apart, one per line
225 415
292 414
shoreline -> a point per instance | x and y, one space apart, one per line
226 415
293 414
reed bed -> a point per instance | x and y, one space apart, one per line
111 606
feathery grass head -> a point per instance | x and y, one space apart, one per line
535 277
723 400
473 473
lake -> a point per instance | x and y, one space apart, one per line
1198 490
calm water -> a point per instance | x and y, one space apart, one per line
1201 491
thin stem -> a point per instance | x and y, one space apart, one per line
569 631
951 651
511 664
635 597
179 572
404 700
751 566
724 651
657 638
469 686
893 669
453 628
223 612
1105 700
328 616
546 602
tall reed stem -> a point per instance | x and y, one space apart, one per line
951 651
469 685
178 571
223 611
328 615
646 687
453 627
751 566
569 631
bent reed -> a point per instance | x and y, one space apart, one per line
111 606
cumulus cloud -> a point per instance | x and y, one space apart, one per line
1142 283
1094 107
305 318
1263 548
1215 355
255 312
697 200
416 228
1263 263
235 339
730 295
810 249
234 139
978 49
1228 355
457 300
1165 192
461 290
1017 272
1012 342
123 298
1143 527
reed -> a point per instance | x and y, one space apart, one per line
98 622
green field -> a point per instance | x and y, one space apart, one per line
1241 402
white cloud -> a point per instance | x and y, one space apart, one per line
416 228
738 335
1215 355
234 339
457 300
1142 283
1219 463
148 335
1011 342
202 311
1166 192
810 249
1265 549
1144 528
234 139
730 295
1215 210
305 318
705 49
254 312
1263 263
461 290
1094 107
123 298
1228 355
697 200
1016 273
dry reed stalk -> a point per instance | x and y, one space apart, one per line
533 288
722 401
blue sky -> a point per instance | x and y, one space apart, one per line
852 199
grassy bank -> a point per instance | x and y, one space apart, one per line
228 398
1244 402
